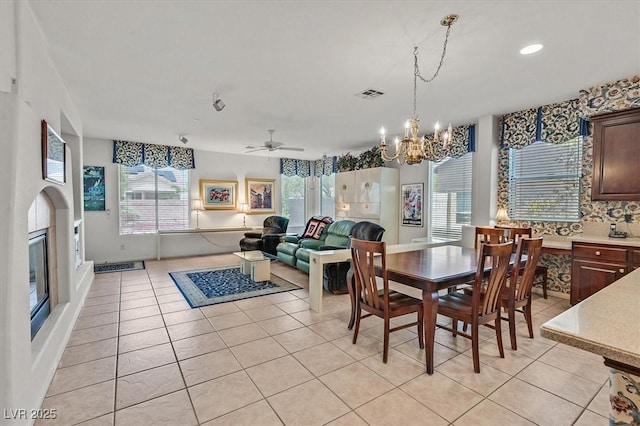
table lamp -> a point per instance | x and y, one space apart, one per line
197 206
244 208
502 216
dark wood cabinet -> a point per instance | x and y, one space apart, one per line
616 156
635 258
595 266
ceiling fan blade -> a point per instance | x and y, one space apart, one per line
290 149
254 149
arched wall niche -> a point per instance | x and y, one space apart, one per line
49 211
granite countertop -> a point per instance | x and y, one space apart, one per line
605 323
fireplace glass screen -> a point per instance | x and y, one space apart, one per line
38 280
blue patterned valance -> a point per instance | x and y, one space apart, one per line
293 167
325 166
156 156
616 96
520 129
554 123
463 141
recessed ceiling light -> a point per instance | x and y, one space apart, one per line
532 48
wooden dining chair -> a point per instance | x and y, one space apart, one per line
541 273
480 307
516 295
490 235
376 302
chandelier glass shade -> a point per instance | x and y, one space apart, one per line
412 149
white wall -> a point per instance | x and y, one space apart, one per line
104 242
418 173
26 367
485 172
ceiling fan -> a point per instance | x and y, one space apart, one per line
271 146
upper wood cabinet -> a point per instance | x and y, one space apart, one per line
616 156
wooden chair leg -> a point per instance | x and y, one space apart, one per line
527 317
454 327
421 328
512 328
357 327
474 347
544 283
351 286
385 352
499 336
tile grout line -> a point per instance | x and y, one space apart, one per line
175 355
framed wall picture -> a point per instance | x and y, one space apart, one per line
93 179
219 194
53 155
261 195
411 198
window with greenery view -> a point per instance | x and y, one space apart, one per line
544 181
327 194
293 201
450 197
153 199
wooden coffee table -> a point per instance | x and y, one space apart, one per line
255 264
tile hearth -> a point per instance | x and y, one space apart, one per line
139 355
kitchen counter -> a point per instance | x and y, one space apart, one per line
629 242
608 324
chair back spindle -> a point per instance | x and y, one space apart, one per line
363 253
521 282
498 255
489 235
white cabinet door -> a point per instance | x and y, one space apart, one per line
345 187
366 210
368 185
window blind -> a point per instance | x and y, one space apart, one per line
153 199
450 197
544 181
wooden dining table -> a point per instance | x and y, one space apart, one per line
431 270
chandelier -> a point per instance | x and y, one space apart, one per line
413 149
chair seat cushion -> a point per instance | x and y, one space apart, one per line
303 254
459 302
287 248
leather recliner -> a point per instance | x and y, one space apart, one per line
335 274
273 228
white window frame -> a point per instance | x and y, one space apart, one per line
284 211
182 203
453 229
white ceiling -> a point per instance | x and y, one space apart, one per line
146 70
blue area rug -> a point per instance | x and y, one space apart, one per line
118 267
212 286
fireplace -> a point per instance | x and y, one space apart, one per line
39 302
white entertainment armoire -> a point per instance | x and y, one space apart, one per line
371 195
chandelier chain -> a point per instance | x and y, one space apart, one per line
416 67
413 149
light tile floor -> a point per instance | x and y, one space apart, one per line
140 356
